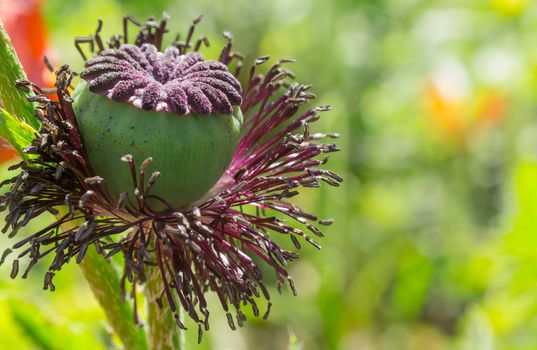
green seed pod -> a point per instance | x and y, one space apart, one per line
182 121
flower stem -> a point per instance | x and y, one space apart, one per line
164 334
105 284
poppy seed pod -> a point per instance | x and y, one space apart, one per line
176 109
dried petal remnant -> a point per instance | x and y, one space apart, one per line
163 81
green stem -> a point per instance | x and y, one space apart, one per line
105 284
164 334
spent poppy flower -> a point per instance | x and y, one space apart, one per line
168 158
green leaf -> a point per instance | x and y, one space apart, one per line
51 333
13 100
16 132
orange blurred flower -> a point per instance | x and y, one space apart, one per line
446 112
459 119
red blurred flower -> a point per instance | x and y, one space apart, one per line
24 23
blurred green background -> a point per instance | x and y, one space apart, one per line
434 244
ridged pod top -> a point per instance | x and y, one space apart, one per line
163 81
